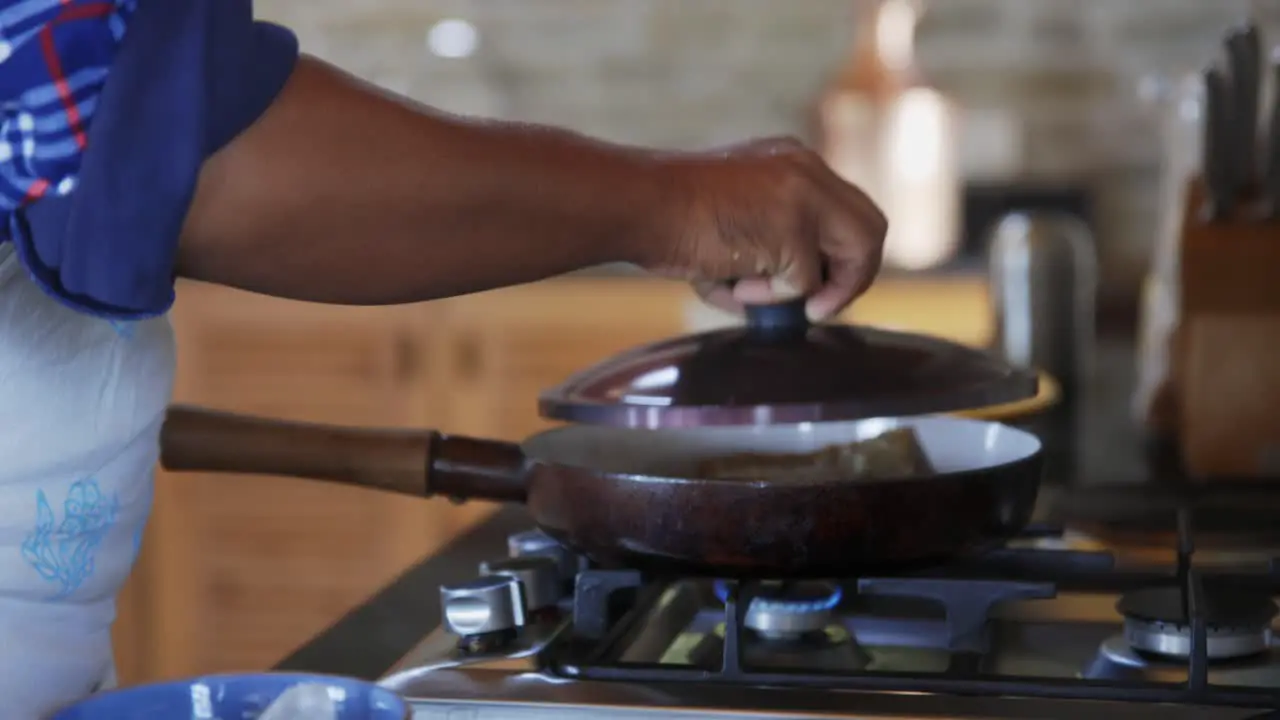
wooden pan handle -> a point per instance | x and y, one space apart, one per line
411 462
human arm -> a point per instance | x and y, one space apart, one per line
449 205
341 193
329 189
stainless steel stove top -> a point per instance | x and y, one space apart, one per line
1031 631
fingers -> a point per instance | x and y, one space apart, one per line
733 297
852 240
801 277
847 280
851 197
718 295
853 261
776 217
753 291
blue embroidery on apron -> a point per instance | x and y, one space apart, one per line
137 543
63 552
123 328
139 534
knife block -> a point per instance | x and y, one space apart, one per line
1225 359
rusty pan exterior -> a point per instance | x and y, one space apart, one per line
776 530
599 501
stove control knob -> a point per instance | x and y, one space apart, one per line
487 605
540 544
538 574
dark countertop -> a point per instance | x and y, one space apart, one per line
1111 481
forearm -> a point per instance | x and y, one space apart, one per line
342 194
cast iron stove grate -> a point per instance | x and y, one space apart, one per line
967 592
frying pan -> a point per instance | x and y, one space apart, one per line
627 497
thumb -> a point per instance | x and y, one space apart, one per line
802 277
791 282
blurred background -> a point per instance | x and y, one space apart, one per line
951 112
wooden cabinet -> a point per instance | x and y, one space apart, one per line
509 345
236 572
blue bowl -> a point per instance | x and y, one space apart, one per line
233 697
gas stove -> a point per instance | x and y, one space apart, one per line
1041 628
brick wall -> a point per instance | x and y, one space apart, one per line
689 73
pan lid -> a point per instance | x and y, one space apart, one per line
778 369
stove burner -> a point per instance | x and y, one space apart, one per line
789 610
1117 661
1237 622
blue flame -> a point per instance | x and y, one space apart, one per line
792 605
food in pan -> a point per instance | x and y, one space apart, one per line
896 453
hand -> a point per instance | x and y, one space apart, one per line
772 216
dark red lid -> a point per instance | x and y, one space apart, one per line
778 369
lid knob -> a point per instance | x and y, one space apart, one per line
778 320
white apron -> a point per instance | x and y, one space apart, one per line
81 404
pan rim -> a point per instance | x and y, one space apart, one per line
1036 451
757 484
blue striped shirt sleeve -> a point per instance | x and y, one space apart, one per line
113 107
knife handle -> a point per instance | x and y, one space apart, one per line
1271 172
1216 154
1244 52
